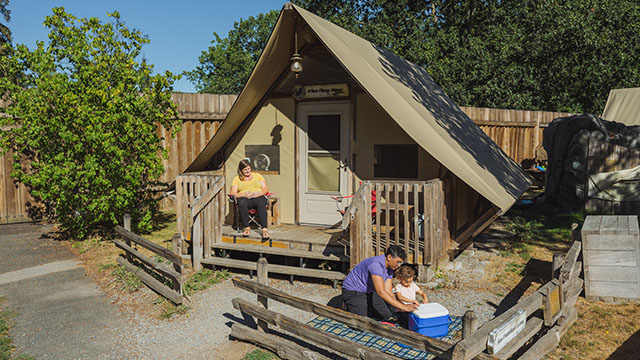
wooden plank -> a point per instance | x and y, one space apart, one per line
609 225
591 224
196 244
623 274
426 225
541 347
263 279
368 232
396 214
285 349
407 230
308 333
617 289
477 342
610 242
534 324
278 269
150 281
570 260
405 336
206 196
633 225
611 258
387 214
377 229
265 249
153 247
159 267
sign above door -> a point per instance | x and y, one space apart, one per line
320 91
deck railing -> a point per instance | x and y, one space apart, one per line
409 214
200 211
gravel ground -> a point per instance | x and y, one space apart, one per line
462 286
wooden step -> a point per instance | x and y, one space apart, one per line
266 249
278 269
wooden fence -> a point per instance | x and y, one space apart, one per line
409 214
517 132
604 156
133 256
505 336
200 211
15 199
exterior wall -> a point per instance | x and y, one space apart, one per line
277 117
373 126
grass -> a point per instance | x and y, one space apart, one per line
203 279
259 354
127 280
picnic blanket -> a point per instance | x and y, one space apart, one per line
378 342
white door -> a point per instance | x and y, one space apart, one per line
323 156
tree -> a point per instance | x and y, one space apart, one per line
5 33
225 67
521 54
82 122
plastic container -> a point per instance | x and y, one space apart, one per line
430 320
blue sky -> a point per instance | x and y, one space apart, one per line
179 30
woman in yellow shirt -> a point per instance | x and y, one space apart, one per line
249 190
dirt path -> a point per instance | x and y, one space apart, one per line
59 312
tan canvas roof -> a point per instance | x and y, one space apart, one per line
623 106
404 90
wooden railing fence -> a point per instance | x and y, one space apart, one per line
173 272
557 298
409 214
200 211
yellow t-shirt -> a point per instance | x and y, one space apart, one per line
252 185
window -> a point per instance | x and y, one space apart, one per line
395 161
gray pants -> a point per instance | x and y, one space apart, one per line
371 305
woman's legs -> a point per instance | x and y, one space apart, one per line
259 203
243 210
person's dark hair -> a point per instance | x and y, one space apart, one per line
396 251
405 272
243 164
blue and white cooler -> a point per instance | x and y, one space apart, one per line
430 320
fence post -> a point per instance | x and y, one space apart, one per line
263 274
469 323
196 242
126 223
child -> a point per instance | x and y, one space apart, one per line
406 289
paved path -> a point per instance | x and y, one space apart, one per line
60 313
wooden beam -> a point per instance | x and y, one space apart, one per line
285 349
477 226
278 269
330 341
150 281
407 337
541 347
153 247
263 278
265 249
161 268
570 260
469 323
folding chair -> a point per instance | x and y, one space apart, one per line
253 213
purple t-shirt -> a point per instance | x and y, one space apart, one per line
359 279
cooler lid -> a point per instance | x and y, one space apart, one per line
431 310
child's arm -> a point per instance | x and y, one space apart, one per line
406 300
424 296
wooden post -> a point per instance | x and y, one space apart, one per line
558 261
196 244
263 279
126 223
469 323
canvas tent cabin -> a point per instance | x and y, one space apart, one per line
356 117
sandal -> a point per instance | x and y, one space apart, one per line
265 234
246 232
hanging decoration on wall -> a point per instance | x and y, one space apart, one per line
263 158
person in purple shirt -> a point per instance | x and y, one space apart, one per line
367 289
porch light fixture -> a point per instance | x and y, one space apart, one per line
296 59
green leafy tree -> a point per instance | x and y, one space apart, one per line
5 33
82 122
225 67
